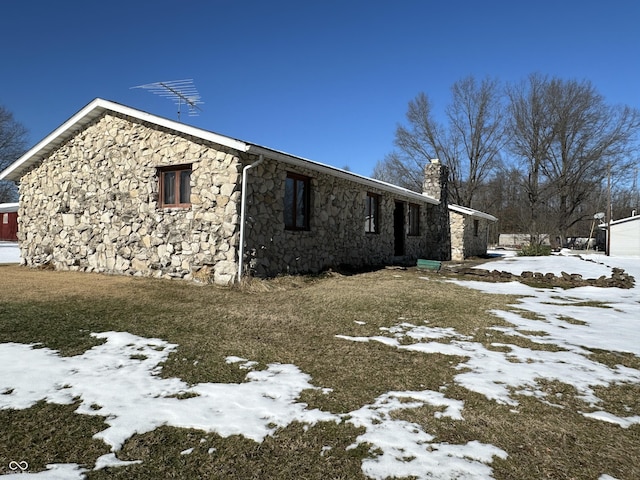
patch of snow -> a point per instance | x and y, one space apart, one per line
568 319
624 422
9 252
139 401
556 264
245 364
110 460
408 451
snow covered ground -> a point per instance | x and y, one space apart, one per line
9 252
138 400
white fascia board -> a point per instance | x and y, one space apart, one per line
49 143
8 207
340 173
625 220
471 212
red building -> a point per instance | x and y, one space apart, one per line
9 222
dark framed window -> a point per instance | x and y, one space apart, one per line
296 202
414 219
476 227
175 186
372 213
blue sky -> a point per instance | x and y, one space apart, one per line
326 80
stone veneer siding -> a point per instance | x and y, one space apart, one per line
92 205
464 242
337 219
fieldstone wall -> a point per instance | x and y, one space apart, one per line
92 205
475 243
457 225
465 243
336 235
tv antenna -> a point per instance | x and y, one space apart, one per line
182 92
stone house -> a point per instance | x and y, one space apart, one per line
118 190
469 232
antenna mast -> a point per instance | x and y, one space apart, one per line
182 92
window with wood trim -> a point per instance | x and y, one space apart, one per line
175 186
372 213
414 219
296 202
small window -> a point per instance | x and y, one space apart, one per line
476 227
5 218
296 202
414 219
371 213
175 186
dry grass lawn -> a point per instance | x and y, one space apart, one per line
294 320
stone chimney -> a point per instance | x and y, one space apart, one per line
435 181
436 177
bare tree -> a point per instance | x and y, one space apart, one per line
13 139
625 201
469 143
568 139
531 134
420 141
476 124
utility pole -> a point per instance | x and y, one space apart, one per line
609 211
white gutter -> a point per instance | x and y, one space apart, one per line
243 209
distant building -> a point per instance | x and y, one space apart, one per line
517 240
625 237
9 222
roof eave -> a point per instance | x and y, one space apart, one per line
471 212
340 173
99 106
90 112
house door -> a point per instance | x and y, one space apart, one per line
398 229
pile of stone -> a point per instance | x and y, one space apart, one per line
618 278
